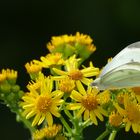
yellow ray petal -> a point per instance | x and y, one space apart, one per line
135 127
73 106
76 96
54 111
104 112
59 72
86 81
93 118
127 127
97 113
42 118
80 112
80 87
36 119
30 114
86 114
49 118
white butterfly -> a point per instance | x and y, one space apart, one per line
122 71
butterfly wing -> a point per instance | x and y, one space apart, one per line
127 75
129 54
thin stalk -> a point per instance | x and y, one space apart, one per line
65 124
103 135
112 135
26 122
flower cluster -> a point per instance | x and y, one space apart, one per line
60 103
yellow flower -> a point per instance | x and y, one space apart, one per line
115 119
104 97
68 45
87 103
66 85
42 103
32 67
3 76
10 74
47 132
74 73
136 91
130 113
50 60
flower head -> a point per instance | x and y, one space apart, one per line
130 113
50 60
74 73
115 119
66 85
8 74
79 44
47 132
32 67
87 104
42 102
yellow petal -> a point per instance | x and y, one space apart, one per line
89 70
41 119
86 81
36 119
28 106
93 118
120 110
76 96
57 94
91 74
59 72
104 112
80 112
86 114
80 87
97 113
49 118
54 111
73 106
135 127
127 127
30 114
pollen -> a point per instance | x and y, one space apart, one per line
43 104
76 75
115 119
90 102
133 113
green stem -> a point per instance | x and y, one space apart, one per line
77 130
112 135
86 123
103 135
68 114
26 122
65 124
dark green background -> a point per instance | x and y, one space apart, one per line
26 27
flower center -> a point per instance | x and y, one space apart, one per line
43 104
90 102
115 119
133 113
76 75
